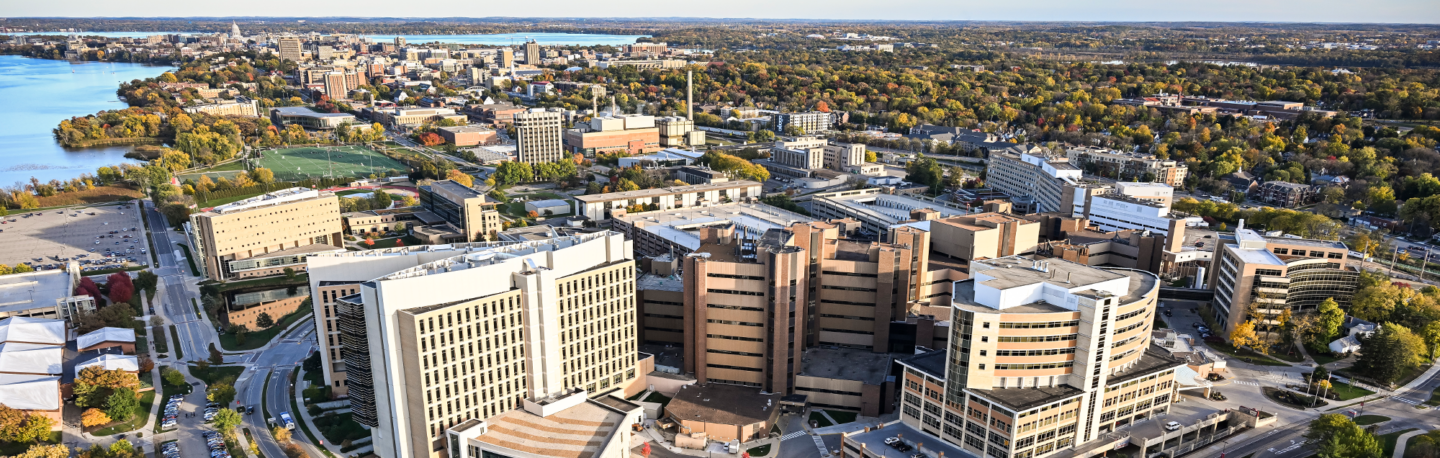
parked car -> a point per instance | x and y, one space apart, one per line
1171 426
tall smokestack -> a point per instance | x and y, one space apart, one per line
613 110
689 97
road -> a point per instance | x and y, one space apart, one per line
195 332
267 383
405 141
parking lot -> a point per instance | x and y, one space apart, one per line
99 237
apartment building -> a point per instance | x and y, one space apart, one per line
532 53
247 108
1275 274
600 207
289 48
468 213
336 86
877 211
537 136
1129 165
629 134
1043 355
1116 212
1283 194
263 235
810 122
534 345
1031 172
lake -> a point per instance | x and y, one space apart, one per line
39 93
554 39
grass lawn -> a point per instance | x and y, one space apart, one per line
208 287
1370 419
656 397
1434 398
161 345
259 338
1388 441
1323 359
175 389
1245 355
214 374
295 410
1348 392
16 448
189 259
1404 378
175 337
1287 353
136 421
820 420
409 240
760 451
142 345
842 416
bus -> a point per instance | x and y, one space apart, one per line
286 420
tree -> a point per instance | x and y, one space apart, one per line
220 392
225 421
262 175
122 404
645 450
264 320
11 420
513 172
1390 352
215 356
282 435
460 177
1326 426
94 385
35 429
400 227
177 214
1351 441
172 376
45 451
1327 323
1244 335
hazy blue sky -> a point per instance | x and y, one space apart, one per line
1394 11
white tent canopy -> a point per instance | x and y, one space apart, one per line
32 330
103 335
30 392
24 358
112 362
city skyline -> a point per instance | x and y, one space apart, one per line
1327 11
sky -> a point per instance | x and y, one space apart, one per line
1350 11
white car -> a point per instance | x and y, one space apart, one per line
891 440
1171 426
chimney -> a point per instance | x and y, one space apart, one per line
689 97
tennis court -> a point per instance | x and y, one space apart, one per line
295 164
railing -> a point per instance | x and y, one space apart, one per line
1184 447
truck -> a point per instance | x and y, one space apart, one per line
287 421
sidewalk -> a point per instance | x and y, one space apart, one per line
1401 442
299 394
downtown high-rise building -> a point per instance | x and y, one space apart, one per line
532 53
289 48
538 136
479 349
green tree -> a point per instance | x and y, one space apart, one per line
1327 322
225 421
262 175
513 172
122 404
1350 441
46 451
220 392
176 214
264 320
1390 352
172 376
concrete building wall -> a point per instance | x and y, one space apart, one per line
257 231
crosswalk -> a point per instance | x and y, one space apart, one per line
792 435
1239 382
820 444
1406 400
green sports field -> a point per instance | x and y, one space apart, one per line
295 164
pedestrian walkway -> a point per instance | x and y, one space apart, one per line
299 393
1401 442
820 444
792 435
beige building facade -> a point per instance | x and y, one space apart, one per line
263 235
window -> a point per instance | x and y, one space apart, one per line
1282 251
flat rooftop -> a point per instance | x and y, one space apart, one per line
862 366
723 404
456 192
875 441
283 196
654 282
303 111
577 432
931 363
466 129
1022 399
892 208
1014 271
1154 360
657 192
1330 244
682 226
20 292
